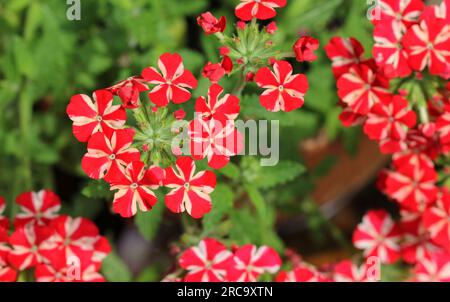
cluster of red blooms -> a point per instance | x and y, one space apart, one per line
401 97
52 247
120 154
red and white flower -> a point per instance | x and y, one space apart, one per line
97 115
135 187
74 238
443 126
388 50
28 244
172 83
301 273
434 269
362 87
406 12
416 243
379 236
4 221
210 261
283 90
260 9
344 53
106 156
428 45
215 140
37 208
7 272
436 220
414 188
388 122
251 262
190 191
216 106
347 271
129 91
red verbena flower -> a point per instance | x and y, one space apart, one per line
388 50
107 155
428 45
129 90
7 272
362 87
4 221
135 187
347 271
344 53
304 49
215 140
190 190
405 12
210 261
416 243
98 115
217 107
388 122
443 126
301 273
172 83
37 208
271 28
251 262
259 9
27 243
379 236
283 90
211 24
435 269
412 187
436 220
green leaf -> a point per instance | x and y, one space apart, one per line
222 203
114 269
96 189
23 58
231 171
148 222
269 177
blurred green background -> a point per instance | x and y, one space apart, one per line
45 59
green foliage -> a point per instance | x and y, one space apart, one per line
148 223
114 269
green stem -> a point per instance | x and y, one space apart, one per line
240 85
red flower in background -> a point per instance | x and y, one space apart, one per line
37 208
135 187
362 87
172 83
347 271
215 140
379 236
388 122
7 273
283 90
437 222
106 156
129 90
251 262
388 50
443 126
210 261
435 269
304 49
344 53
27 243
190 190
259 9
217 107
302 273
98 115
416 243
4 221
405 12
428 45
412 187
211 24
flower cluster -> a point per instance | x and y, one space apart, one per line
156 148
47 245
401 98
